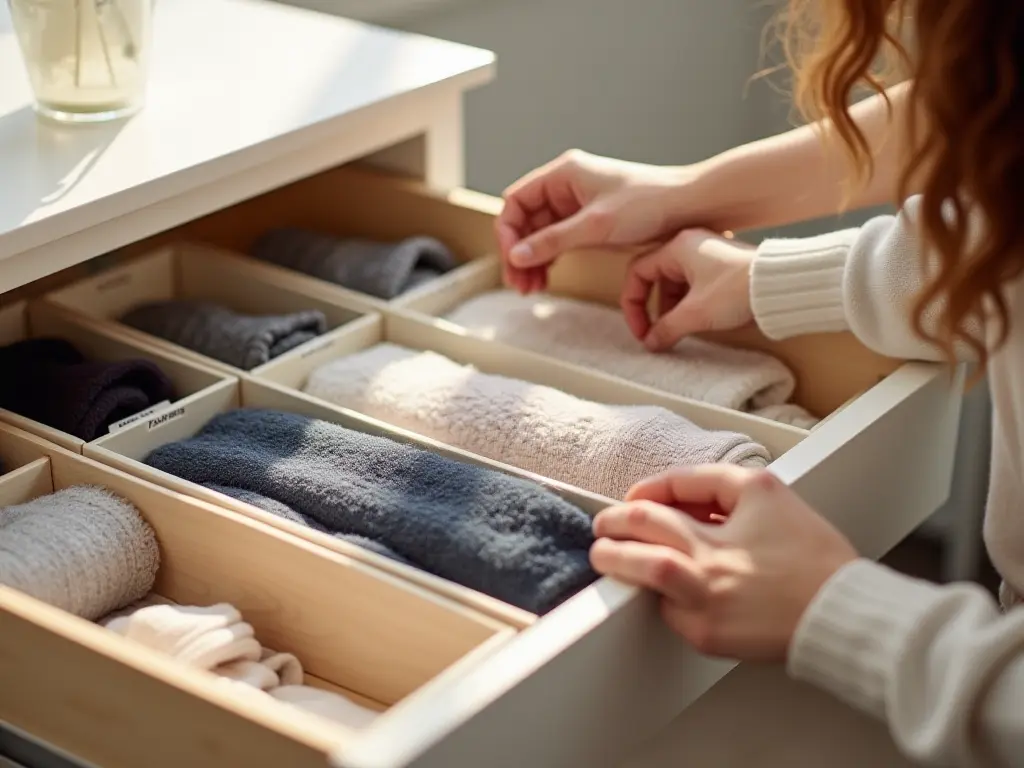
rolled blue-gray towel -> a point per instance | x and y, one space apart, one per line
380 269
501 535
244 341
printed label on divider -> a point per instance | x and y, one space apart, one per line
119 425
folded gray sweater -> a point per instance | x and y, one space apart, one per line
501 535
384 270
243 341
601 448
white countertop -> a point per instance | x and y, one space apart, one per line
231 81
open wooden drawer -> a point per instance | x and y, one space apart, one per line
117 704
97 342
600 674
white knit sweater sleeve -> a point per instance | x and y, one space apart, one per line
862 280
940 664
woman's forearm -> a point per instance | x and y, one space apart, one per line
801 174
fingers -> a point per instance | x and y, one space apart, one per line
546 244
647 522
720 484
679 312
662 569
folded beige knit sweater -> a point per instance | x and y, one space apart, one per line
597 337
597 447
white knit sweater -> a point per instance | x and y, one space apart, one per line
941 665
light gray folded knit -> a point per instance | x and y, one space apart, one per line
597 337
243 341
601 448
81 549
384 270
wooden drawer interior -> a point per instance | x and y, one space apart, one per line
830 368
201 273
127 448
423 333
356 630
96 341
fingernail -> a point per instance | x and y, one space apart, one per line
521 254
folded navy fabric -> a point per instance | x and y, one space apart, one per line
384 270
48 380
501 535
244 341
275 507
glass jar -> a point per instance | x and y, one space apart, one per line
87 60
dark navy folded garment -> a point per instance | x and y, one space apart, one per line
501 535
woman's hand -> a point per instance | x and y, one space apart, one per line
703 282
736 589
581 200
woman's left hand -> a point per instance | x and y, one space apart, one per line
737 589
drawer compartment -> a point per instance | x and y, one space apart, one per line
600 674
493 358
127 448
203 274
97 342
358 632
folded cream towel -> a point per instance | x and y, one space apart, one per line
81 549
597 337
326 704
601 448
215 639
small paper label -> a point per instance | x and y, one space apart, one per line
163 418
119 425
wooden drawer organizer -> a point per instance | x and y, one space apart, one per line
603 662
365 634
98 341
196 272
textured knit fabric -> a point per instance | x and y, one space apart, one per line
384 270
243 341
596 337
275 507
82 549
942 665
48 380
216 639
326 704
601 448
492 532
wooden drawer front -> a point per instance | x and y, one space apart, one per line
600 674
97 341
201 273
356 630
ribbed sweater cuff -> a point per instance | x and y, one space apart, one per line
850 640
796 285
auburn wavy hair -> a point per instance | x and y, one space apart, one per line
964 60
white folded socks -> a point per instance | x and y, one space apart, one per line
597 337
597 447
83 550
217 640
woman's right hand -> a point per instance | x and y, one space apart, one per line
703 282
581 200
